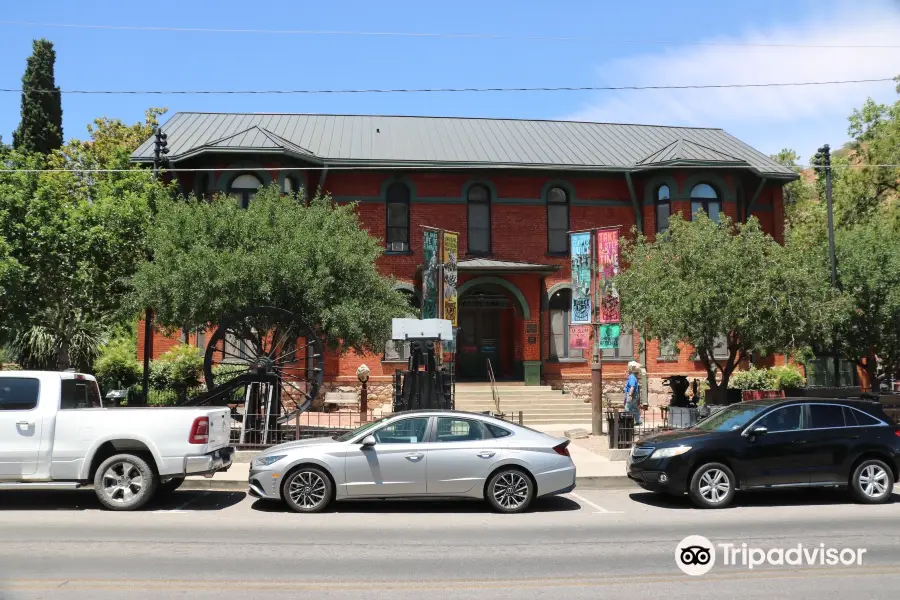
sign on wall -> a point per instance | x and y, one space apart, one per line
430 273
609 337
580 337
607 268
451 245
580 250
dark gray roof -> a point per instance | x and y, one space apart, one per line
394 141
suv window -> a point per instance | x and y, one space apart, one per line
826 416
450 429
79 394
405 431
782 419
19 393
858 417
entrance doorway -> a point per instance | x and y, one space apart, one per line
486 324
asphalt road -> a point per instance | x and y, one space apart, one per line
591 544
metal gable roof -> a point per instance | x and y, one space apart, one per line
395 141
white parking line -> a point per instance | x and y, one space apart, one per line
599 509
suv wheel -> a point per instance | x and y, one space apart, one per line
872 482
712 486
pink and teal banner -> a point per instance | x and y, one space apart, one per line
580 252
607 268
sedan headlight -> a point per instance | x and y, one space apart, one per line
670 452
265 461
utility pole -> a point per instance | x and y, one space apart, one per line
160 149
823 160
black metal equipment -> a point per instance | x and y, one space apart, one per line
430 388
679 385
267 359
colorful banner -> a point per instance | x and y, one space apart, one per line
451 245
607 268
430 273
580 337
580 252
609 337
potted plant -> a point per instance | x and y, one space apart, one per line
789 379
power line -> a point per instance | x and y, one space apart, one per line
591 88
438 35
421 167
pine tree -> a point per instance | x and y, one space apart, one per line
41 127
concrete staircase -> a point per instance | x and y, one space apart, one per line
540 405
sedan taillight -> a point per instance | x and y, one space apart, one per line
562 449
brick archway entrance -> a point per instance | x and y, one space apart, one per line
489 320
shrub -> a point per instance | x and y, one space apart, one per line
117 367
751 379
180 370
787 376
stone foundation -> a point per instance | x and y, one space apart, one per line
613 389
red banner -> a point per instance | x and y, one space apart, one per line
580 337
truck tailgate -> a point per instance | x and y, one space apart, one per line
219 428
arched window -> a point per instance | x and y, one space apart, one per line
243 188
289 186
663 208
704 197
479 199
560 314
557 221
398 196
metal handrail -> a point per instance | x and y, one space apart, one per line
494 393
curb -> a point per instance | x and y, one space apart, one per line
617 482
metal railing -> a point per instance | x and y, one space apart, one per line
293 427
494 393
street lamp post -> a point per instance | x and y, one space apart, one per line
823 160
362 373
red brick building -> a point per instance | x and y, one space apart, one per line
511 188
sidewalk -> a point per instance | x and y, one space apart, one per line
593 472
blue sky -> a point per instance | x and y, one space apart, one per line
801 118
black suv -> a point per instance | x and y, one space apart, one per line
765 444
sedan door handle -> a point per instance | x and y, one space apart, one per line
25 423
414 456
799 441
486 454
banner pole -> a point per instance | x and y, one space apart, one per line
596 353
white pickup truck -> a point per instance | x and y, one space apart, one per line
56 434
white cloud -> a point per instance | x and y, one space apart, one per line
768 118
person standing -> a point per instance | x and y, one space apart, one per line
633 391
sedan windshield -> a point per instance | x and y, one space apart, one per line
732 417
354 432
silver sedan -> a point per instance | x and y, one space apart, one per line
418 454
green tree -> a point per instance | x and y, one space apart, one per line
868 261
212 258
40 129
703 280
78 237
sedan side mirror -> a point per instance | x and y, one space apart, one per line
756 431
369 440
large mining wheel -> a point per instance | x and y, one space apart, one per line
268 346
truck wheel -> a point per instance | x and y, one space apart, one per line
125 482
167 487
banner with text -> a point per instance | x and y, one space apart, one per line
607 268
580 337
430 273
609 337
580 252
451 245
